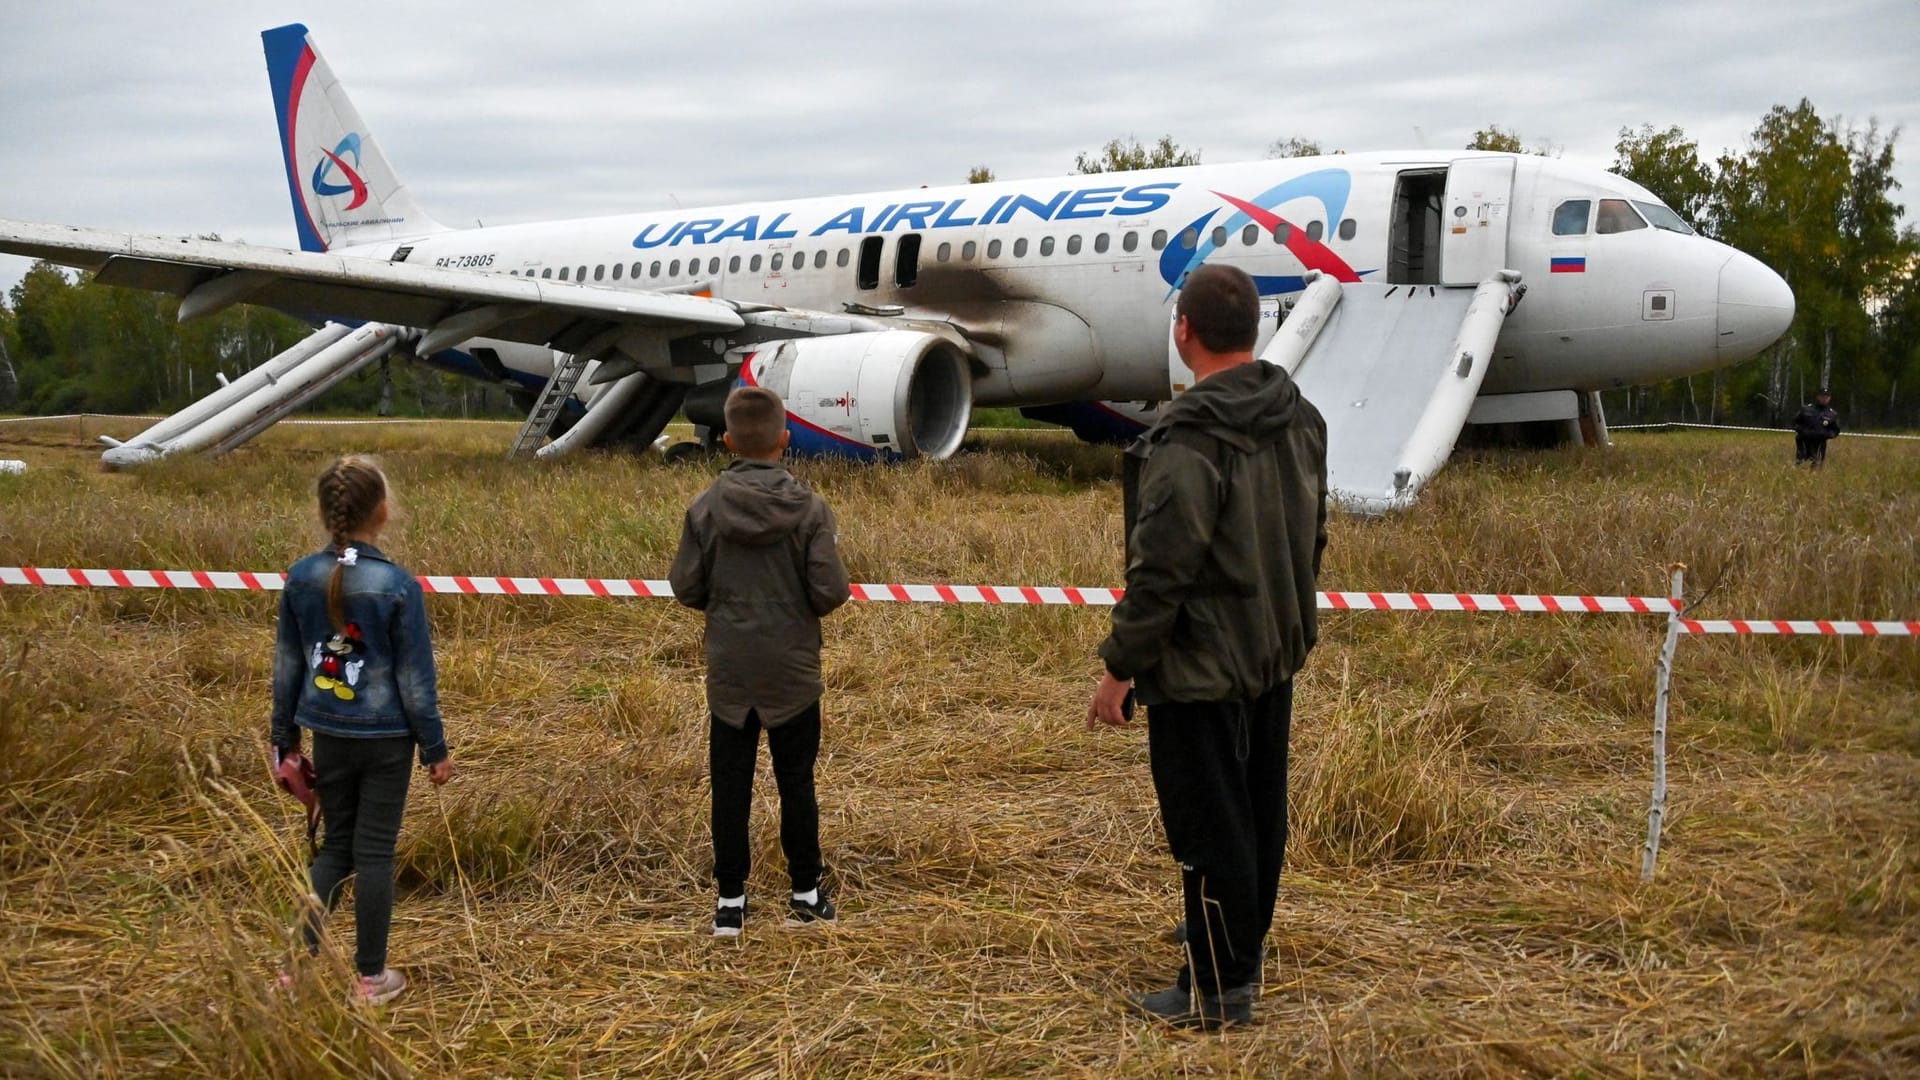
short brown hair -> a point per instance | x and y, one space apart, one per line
755 418
1221 307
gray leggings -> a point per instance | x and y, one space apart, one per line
363 792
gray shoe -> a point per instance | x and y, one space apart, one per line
1177 1008
1179 935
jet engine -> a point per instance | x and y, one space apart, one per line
886 393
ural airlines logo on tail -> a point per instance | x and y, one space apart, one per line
1329 187
343 195
350 144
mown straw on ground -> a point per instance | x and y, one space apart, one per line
1462 896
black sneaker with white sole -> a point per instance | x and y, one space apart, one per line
801 913
728 919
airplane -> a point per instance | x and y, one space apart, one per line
1391 284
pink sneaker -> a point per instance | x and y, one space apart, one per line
378 989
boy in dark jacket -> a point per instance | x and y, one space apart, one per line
759 555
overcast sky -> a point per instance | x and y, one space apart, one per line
156 117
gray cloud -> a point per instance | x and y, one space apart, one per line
156 118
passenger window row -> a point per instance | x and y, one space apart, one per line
967 251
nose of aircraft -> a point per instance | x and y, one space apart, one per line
1755 308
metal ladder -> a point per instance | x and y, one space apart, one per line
546 409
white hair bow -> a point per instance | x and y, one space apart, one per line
349 556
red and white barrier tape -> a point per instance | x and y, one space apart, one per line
1826 627
460 585
910 594
1735 427
1568 605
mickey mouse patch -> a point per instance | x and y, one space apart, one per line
335 665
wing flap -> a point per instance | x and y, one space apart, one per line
154 275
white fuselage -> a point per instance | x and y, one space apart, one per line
1068 284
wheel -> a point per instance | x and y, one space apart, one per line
682 453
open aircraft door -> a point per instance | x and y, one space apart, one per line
1473 229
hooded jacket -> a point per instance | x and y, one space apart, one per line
1224 545
759 555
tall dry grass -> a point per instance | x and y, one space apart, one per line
1469 792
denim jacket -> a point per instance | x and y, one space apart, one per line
375 679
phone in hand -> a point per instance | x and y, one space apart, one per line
1126 706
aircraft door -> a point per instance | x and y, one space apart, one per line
1474 218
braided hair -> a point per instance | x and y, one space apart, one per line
351 491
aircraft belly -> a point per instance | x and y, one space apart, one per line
1602 357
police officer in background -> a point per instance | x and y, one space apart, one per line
1226 526
1816 423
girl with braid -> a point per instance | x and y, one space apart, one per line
353 663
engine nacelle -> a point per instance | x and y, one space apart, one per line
887 393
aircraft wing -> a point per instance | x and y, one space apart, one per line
451 305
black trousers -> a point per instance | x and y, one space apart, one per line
731 754
363 792
1811 449
1220 770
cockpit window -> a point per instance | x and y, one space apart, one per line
1617 217
1570 217
1660 217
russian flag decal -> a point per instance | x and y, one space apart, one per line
1569 264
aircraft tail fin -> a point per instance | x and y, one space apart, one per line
344 190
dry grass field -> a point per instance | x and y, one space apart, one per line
1469 792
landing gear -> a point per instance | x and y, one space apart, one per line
704 446
685 453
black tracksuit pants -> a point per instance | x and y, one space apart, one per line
1220 770
731 754
363 792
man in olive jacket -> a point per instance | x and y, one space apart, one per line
1223 552
760 556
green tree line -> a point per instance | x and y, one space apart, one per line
70 345
1814 198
